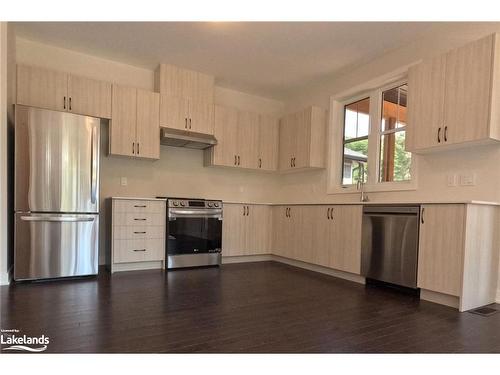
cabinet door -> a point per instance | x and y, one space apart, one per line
233 230
122 127
42 88
441 248
467 91
258 240
148 124
287 141
300 151
174 112
201 117
268 143
322 237
89 97
248 137
345 238
281 231
426 82
226 133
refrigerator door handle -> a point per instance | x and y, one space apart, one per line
56 218
93 155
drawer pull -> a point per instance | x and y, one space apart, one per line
139 249
139 232
140 206
139 219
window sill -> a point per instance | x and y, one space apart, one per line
374 188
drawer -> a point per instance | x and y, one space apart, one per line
139 206
137 232
139 219
138 250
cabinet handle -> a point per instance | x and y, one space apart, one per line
139 219
289 212
286 212
446 133
140 206
133 147
294 162
331 213
235 160
328 213
439 135
291 162
186 123
422 216
260 163
248 210
139 232
138 148
139 249
238 159
189 123
70 103
64 103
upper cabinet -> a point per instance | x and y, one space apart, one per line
302 139
43 88
244 140
451 98
134 128
186 101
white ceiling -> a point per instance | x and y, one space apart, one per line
272 59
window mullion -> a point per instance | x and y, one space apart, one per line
373 136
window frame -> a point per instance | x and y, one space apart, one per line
336 142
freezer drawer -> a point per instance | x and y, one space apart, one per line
55 245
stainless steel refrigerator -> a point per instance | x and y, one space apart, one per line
56 194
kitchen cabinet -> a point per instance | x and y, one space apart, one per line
137 234
134 128
186 99
246 229
43 88
458 253
244 140
451 98
324 235
302 140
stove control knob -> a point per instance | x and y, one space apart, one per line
216 204
183 204
175 203
210 204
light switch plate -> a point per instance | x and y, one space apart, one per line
452 179
468 179
123 181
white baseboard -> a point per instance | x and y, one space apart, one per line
311 267
440 298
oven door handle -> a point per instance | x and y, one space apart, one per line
190 213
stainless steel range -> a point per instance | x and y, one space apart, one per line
194 232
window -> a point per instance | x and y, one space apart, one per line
373 141
394 162
356 129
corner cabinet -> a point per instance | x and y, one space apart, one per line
244 140
302 140
246 229
458 254
452 98
134 128
59 91
186 101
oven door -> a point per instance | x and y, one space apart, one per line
194 230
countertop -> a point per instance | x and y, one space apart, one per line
139 199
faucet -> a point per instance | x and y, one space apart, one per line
360 185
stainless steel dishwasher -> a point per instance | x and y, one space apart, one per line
389 246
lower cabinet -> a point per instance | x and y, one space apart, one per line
137 234
325 235
458 254
246 229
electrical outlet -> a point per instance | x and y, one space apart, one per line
468 179
452 179
123 181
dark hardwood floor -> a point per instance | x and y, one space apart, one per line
263 307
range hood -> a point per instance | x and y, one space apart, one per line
181 138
